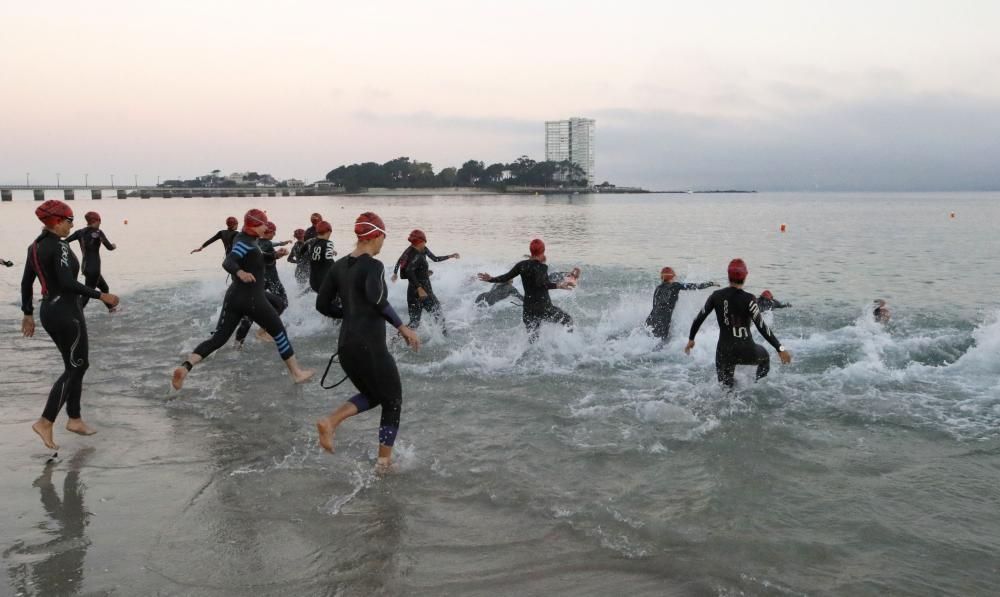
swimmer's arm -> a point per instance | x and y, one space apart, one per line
218 236
780 305
508 276
325 299
435 258
401 262
377 294
697 285
282 243
765 331
293 255
700 319
68 280
107 243
74 236
234 260
28 287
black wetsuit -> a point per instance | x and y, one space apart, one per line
498 293
320 253
299 256
537 305
56 267
769 304
310 233
413 265
246 300
664 301
90 248
6 263
227 237
354 290
273 288
736 309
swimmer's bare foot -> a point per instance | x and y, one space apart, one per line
263 336
302 375
327 431
43 428
384 466
238 345
79 427
178 381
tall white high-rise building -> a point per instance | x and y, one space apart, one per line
571 140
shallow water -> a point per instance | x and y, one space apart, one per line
588 463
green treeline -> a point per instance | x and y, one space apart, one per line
403 173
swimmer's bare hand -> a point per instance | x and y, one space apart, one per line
110 300
280 253
456 256
484 277
394 278
28 326
690 345
785 356
565 285
410 337
246 277
421 293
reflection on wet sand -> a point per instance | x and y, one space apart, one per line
55 566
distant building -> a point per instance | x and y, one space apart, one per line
571 140
294 183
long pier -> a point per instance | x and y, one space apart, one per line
147 192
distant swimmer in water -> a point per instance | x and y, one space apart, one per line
246 298
412 265
51 261
299 257
91 238
572 277
274 290
6 263
881 312
735 309
226 236
665 299
767 302
321 254
498 293
355 291
537 305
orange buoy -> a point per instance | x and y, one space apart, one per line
783 227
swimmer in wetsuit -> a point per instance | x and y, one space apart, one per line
498 293
51 261
665 299
321 254
274 290
246 297
226 236
537 305
412 264
91 238
300 257
881 312
735 309
767 302
354 290
310 232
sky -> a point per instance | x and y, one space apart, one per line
769 95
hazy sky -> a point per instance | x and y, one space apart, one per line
769 94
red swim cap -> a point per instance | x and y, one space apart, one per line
417 236
315 219
767 295
323 227
299 234
369 226
92 216
254 218
668 272
232 222
271 227
537 247
737 271
52 212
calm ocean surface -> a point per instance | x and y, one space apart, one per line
586 464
